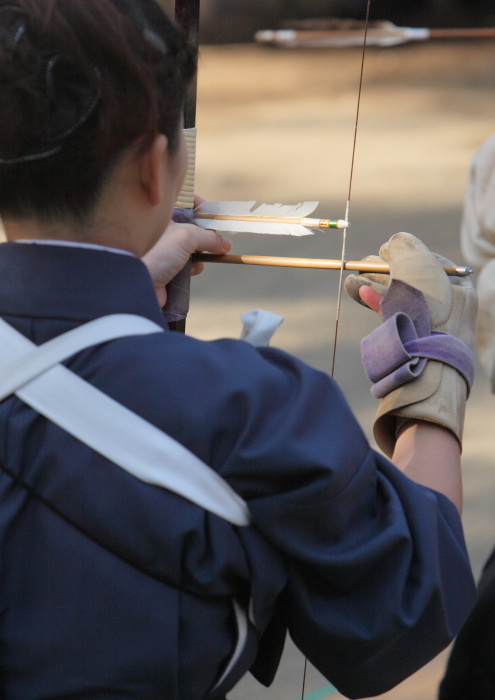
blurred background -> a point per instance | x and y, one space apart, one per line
228 21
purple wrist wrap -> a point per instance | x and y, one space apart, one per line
397 351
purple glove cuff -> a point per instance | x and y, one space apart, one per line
397 351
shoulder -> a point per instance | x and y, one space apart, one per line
173 360
236 407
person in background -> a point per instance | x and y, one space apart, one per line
470 672
170 508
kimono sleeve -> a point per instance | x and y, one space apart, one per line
379 580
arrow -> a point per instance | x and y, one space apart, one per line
344 33
281 219
362 266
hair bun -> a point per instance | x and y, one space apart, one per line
13 27
71 97
67 98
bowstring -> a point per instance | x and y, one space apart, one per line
348 206
344 234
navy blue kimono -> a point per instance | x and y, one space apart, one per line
112 588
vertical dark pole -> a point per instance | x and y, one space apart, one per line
187 17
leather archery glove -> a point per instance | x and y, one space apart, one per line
421 358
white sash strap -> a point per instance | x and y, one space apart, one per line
242 635
36 377
44 357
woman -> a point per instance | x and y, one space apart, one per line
113 586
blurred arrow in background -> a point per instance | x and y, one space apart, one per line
338 33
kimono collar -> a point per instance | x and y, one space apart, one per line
73 283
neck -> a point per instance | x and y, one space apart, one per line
33 230
107 235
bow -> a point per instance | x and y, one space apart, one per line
175 311
178 290
187 16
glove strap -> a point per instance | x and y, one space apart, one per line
397 352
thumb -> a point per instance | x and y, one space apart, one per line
371 298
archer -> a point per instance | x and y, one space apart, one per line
169 508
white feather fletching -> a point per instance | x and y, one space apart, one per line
254 227
295 211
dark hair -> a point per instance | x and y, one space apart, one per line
80 82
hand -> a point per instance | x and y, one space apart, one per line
175 247
438 393
368 289
451 301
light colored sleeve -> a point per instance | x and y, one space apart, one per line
485 327
478 224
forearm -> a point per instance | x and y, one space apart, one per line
431 456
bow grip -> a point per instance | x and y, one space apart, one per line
179 289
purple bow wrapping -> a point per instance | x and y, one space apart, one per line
178 290
397 351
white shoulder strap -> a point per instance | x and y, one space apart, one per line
34 374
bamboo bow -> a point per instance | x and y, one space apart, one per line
178 290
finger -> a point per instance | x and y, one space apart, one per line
354 283
402 248
384 252
193 239
377 278
197 268
412 262
206 240
161 294
373 258
442 260
379 281
371 298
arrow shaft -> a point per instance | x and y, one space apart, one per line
358 34
308 223
312 263
469 33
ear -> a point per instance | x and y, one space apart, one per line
151 166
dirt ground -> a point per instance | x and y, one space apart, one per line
278 127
